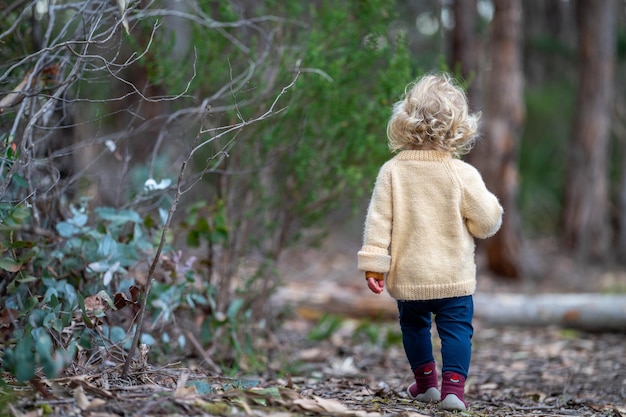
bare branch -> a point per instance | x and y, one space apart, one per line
156 259
202 110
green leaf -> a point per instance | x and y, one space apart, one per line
44 345
81 304
115 334
107 247
25 365
325 327
147 339
53 366
79 219
69 295
66 229
234 308
163 214
20 181
118 216
36 318
51 321
202 387
50 292
10 265
27 278
23 244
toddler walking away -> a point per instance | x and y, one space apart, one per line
426 209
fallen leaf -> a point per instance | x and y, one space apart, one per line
321 405
81 399
95 304
182 389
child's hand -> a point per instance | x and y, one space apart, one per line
375 282
376 286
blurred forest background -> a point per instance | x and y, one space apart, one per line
158 157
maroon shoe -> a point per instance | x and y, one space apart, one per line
425 386
452 392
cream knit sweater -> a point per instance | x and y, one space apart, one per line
425 211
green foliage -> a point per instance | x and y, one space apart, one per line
206 223
621 44
323 150
543 156
46 275
92 254
335 128
383 334
9 155
282 178
377 333
325 327
552 47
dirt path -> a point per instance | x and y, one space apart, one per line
516 371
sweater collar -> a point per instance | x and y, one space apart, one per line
430 155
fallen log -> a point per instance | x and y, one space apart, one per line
311 301
587 311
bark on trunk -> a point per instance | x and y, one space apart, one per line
585 218
464 47
503 121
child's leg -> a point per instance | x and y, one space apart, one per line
415 323
454 324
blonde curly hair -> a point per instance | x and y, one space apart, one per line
433 115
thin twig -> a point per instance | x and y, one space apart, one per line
153 266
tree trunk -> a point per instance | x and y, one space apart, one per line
620 217
585 217
503 122
467 51
464 47
535 23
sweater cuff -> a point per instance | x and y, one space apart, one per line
373 259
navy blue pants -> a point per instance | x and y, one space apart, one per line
453 317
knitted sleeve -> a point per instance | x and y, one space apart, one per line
480 208
374 254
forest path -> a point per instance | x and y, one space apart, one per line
327 365
516 371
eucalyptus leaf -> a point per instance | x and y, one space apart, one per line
79 220
25 368
107 248
10 265
66 229
147 339
43 346
118 216
234 308
117 334
202 387
27 278
52 366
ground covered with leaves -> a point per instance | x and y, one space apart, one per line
335 365
515 372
